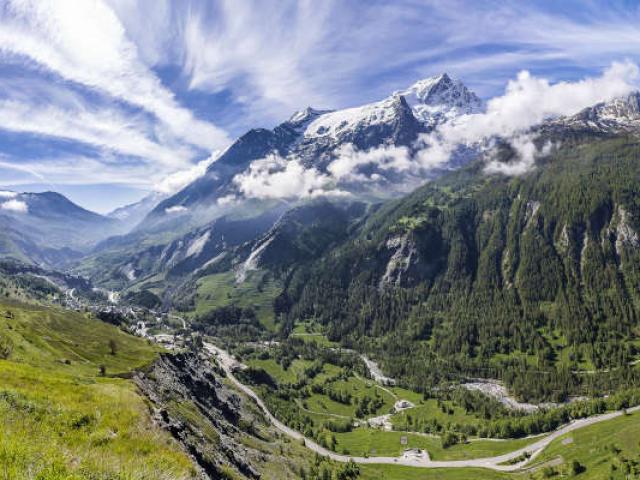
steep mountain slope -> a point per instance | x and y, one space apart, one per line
276 241
60 417
301 234
550 257
118 265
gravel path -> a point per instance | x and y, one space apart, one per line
411 458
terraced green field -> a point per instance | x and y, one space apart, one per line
607 450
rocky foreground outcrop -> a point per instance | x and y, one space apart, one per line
189 399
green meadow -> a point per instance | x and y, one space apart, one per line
63 413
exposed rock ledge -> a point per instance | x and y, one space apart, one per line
186 385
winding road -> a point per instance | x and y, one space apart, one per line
410 458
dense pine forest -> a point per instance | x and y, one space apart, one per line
533 279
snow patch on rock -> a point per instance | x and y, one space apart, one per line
333 124
441 98
129 271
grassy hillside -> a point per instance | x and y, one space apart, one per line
57 392
257 292
605 450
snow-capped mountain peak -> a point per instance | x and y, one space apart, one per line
306 114
432 101
333 124
433 98
313 138
617 115
622 109
302 118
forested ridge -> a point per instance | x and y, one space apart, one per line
533 279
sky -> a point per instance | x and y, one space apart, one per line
108 100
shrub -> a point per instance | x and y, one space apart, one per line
6 347
576 468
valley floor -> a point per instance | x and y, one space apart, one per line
513 461
64 386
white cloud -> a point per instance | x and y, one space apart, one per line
227 200
347 165
85 42
176 209
527 101
526 154
261 50
277 177
178 180
78 170
287 178
152 25
535 35
104 128
14 205
7 194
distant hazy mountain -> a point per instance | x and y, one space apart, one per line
131 215
48 229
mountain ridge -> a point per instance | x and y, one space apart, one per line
313 137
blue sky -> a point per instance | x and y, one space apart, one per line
105 100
